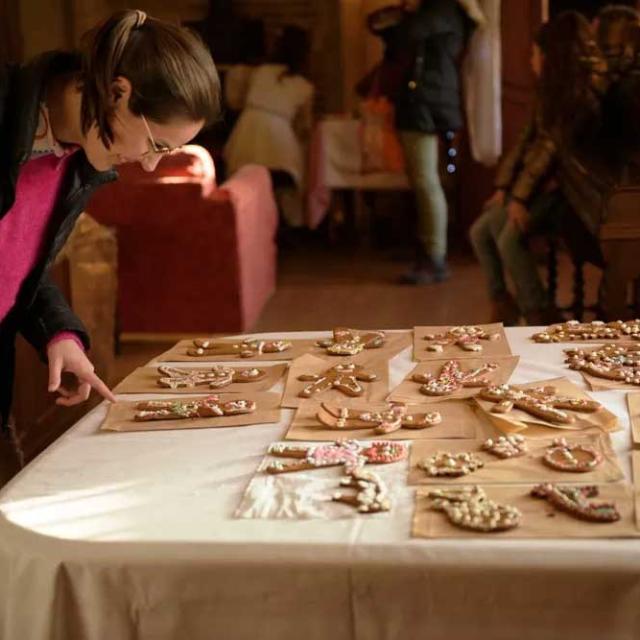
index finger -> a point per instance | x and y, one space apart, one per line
99 386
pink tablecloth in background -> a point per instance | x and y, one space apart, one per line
335 162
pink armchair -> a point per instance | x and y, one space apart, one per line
193 258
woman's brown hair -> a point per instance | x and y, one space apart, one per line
171 72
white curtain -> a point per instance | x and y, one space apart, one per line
482 78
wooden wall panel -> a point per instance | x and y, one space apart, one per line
520 20
11 41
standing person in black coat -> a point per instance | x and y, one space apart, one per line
138 89
431 36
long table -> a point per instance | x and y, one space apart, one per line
131 535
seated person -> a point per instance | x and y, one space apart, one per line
497 236
275 118
568 119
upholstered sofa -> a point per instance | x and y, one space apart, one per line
193 257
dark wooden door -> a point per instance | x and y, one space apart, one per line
520 20
10 39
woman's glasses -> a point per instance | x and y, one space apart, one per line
158 149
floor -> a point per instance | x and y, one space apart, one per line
320 287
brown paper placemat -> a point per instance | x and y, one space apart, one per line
145 380
539 518
527 468
178 353
409 391
596 383
635 472
120 416
459 420
517 420
490 348
395 342
374 391
633 404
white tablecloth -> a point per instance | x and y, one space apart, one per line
130 535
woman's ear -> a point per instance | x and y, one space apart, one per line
121 90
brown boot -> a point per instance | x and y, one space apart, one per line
504 309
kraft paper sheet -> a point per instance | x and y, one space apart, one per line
517 420
635 472
120 415
490 348
539 518
145 380
526 468
409 391
373 391
459 420
633 403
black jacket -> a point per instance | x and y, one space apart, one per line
40 310
430 100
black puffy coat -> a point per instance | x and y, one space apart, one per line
429 100
40 310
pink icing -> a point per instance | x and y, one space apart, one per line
326 455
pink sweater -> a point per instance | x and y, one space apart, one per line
23 228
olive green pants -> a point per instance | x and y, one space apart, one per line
421 158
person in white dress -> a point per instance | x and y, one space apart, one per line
275 121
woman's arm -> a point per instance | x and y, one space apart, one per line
49 314
537 164
506 172
44 320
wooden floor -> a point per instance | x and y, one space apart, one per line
320 287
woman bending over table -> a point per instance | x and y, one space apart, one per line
136 90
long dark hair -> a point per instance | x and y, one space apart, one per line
171 72
567 97
292 50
